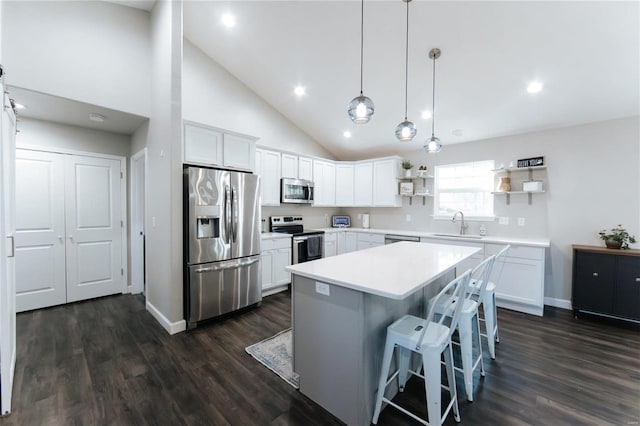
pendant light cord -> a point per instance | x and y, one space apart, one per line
406 66
433 102
361 42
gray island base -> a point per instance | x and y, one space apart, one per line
339 324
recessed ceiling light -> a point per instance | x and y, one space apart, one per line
347 134
534 87
98 118
19 106
228 20
426 115
299 90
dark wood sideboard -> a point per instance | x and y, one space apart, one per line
606 282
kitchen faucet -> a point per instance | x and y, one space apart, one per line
463 227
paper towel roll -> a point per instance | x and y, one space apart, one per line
365 220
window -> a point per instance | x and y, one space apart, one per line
466 187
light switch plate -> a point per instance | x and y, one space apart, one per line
504 220
322 288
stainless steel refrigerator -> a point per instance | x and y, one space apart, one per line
221 242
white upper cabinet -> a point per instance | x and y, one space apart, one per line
344 184
385 182
202 145
363 184
239 152
289 166
305 168
214 147
268 168
324 178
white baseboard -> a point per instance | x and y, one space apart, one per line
558 303
171 327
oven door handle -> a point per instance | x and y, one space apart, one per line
296 242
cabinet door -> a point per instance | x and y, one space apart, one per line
594 282
289 166
267 261
519 281
202 145
363 184
627 300
344 185
350 242
268 168
239 152
305 168
385 181
282 259
330 248
324 178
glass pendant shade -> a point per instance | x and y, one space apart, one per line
405 131
433 145
361 109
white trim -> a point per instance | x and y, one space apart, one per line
558 303
171 327
69 151
133 198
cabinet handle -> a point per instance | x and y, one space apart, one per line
595 274
638 280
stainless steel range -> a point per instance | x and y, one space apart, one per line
307 245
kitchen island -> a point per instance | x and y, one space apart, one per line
342 306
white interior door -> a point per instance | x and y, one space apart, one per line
94 227
40 230
7 255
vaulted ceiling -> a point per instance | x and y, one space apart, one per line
586 54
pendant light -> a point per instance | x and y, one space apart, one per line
361 107
433 145
406 130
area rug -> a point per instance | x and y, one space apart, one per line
275 353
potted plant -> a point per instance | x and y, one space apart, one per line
407 166
617 238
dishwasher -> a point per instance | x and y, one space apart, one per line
390 239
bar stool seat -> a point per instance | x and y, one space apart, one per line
431 340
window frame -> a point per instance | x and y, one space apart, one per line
437 191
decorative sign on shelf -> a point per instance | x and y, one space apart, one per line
531 162
406 188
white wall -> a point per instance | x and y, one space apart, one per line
215 97
592 182
91 51
164 173
53 136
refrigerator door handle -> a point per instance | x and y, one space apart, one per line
227 213
228 265
234 218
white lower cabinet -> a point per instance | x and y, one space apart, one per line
366 240
330 244
275 257
519 279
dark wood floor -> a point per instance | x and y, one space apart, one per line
107 361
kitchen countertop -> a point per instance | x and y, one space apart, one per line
532 242
274 235
394 271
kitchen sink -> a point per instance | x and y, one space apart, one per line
470 236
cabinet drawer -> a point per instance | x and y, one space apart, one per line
275 243
370 238
519 252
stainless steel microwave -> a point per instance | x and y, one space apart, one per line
296 191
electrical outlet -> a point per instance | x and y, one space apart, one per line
521 221
504 220
322 288
408 218
153 221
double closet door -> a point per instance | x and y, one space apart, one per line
68 228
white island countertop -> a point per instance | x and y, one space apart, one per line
394 271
